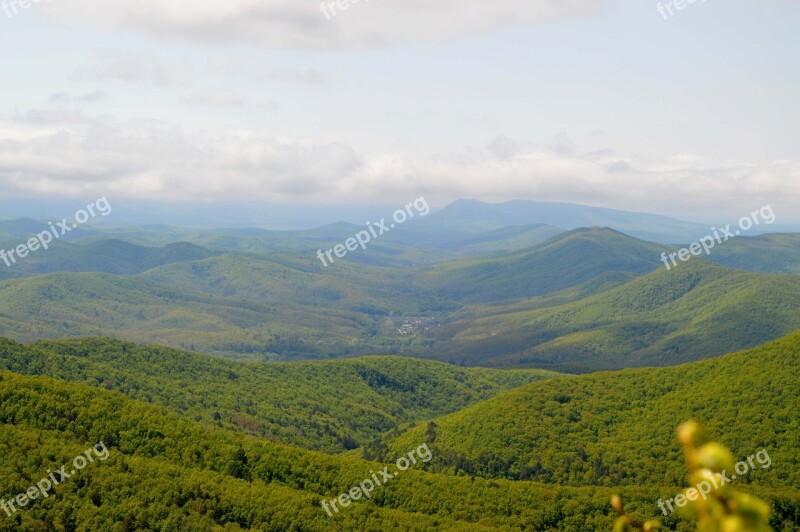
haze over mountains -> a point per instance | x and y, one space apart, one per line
464 216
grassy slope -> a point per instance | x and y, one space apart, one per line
618 427
327 406
694 311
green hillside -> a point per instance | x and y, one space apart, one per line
288 279
774 253
504 239
586 300
695 311
617 428
563 262
110 256
166 472
308 317
329 406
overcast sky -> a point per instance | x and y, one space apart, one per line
597 102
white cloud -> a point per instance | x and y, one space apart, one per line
307 76
54 117
215 97
117 65
302 25
503 148
65 97
232 66
167 162
152 161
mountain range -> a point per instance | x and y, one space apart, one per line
542 353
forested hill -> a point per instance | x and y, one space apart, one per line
167 472
617 428
697 310
325 405
571 259
586 300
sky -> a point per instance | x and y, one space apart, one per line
598 102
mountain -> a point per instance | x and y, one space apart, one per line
416 244
330 406
287 306
219 215
584 300
568 260
606 429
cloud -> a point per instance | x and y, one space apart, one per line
503 148
161 162
291 24
149 160
65 97
308 76
54 117
116 65
563 145
234 66
211 97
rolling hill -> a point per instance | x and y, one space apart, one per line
584 300
617 428
165 470
695 311
574 258
110 256
330 406
504 239
236 304
773 253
